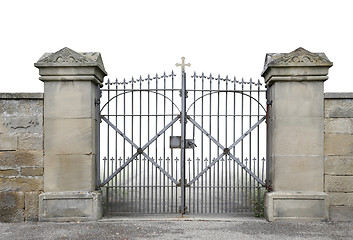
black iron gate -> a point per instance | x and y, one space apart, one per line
190 146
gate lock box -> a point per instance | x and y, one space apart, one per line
175 142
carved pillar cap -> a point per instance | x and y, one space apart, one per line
299 65
68 65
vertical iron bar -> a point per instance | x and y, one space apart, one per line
124 144
132 139
193 154
156 148
164 145
250 147
172 153
226 144
116 144
140 143
218 170
242 144
210 149
258 143
148 137
108 143
183 133
202 179
237 184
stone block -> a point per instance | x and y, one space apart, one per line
338 144
70 100
21 158
339 183
8 173
341 199
32 171
297 137
69 173
338 108
31 206
21 107
23 184
21 124
339 125
8 142
11 206
70 206
69 136
30 141
339 165
310 206
298 173
288 101
341 214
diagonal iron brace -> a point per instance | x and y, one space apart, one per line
139 150
120 132
160 168
246 169
226 152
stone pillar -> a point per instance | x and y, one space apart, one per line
71 90
295 167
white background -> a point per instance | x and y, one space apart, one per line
140 37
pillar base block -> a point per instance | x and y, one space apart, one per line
303 206
70 206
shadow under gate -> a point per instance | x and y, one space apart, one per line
182 145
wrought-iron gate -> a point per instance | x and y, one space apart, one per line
189 146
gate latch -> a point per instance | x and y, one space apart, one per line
175 142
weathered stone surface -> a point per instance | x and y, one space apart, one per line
339 165
280 205
17 124
11 206
341 213
298 173
30 141
339 108
69 173
339 183
8 172
23 184
299 62
21 158
338 95
302 136
31 206
32 171
338 144
339 125
25 107
21 96
286 95
67 62
341 199
69 136
70 100
8 142
70 206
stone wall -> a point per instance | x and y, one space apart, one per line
339 154
21 155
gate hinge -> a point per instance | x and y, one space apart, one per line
269 102
268 185
97 101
